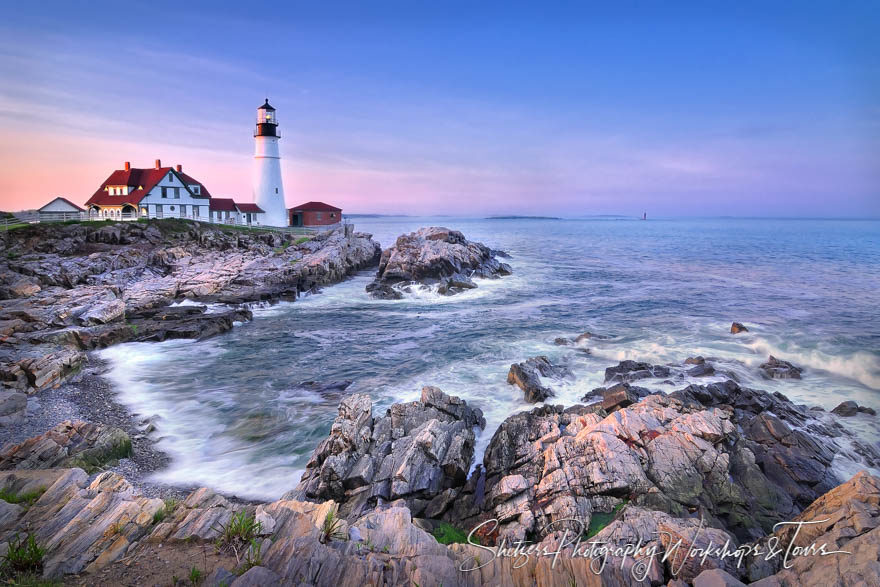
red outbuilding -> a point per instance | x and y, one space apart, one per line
314 214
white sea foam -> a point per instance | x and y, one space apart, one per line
859 365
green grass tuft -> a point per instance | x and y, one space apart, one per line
331 529
446 533
27 498
24 557
241 528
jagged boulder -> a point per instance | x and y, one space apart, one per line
416 452
527 376
778 369
737 327
629 371
434 255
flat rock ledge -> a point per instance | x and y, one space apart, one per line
434 255
69 289
69 444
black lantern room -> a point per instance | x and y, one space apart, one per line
267 125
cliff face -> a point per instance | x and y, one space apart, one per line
69 288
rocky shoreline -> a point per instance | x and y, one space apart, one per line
716 462
387 498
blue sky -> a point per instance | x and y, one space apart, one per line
416 107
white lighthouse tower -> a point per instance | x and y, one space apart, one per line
268 187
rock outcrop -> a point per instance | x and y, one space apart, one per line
69 444
416 452
707 464
108 534
527 376
617 396
778 369
73 288
742 458
629 371
736 328
851 408
434 255
847 518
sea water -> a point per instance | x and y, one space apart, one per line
233 411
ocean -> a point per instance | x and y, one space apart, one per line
236 412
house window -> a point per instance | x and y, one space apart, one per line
176 193
332 214
172 208
195 211
196 189
319 215
164 192
183 210
170 177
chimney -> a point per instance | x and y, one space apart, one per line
158 163
128 165
179 168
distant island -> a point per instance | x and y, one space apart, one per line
523 218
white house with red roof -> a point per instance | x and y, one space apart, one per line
165 192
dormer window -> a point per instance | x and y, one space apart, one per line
196 189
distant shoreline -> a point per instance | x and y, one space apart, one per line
523 218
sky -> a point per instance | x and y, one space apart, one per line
673 108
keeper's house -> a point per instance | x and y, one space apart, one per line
163 192
314 214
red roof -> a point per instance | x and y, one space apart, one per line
223 204
248 207
316 207
203 192
64 200
143 180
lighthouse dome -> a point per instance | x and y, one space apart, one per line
266 106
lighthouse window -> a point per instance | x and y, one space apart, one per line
276 190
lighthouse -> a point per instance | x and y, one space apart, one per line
268 187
